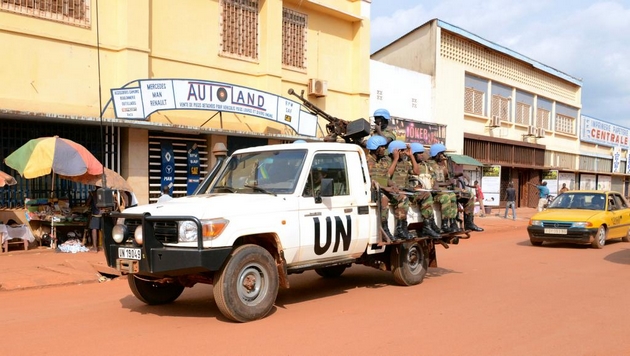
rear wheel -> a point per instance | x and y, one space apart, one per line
331 272
600 237
246 288
152 292
409 263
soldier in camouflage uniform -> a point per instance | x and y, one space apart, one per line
381 121
378 164
423 196
402 164
443 184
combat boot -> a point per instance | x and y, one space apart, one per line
446 228
427 230
434 226
469 223
386 231
401 230
455 226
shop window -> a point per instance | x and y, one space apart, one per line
294 26
239 28
72 12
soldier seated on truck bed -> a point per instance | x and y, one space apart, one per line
378 164
421 184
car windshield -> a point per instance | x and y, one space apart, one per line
579 200
265 172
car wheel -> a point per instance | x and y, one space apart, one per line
245 289
627 237
600 238
153 292
535 243
409 264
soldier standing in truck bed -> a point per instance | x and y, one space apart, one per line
422 184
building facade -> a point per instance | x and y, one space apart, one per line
65 60
519 117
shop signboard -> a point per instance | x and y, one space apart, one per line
491 184
191 94
192 180
603 133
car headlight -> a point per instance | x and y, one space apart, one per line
211 229
137 235
582 224
119 232
536 223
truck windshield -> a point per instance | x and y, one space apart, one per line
266 172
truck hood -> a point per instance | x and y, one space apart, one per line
209 206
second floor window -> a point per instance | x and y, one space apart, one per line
239 28
473 101
543 118
501 107
294 38
523 113
73 12
565 124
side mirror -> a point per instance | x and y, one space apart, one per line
326 189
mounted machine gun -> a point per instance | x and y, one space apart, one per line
350 131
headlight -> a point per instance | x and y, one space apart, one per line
582 224
211 229
535 223
137 235
119 233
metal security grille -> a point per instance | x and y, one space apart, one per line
16 133
523 114
73 12
239 28
294 38
543 118
565 124
473 101
180 152
501 107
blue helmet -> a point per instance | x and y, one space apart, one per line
382 113
436 148
416 148
375 142
396 145
299 141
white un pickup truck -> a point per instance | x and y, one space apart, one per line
255 220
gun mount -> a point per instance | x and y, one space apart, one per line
349 131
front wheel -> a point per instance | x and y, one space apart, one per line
627 237
409 263
152 292
600 238
246 288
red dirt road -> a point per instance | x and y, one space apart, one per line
494 294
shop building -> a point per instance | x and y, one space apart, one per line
517 116
66 60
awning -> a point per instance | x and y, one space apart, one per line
465 160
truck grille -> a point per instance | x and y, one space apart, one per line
165 231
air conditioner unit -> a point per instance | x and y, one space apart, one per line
317 87
541 133
495 122
532 131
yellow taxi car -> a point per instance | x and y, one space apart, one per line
582 216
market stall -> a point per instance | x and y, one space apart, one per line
55 217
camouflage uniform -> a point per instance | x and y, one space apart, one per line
378 173
389 134
400 179
447 200
423 198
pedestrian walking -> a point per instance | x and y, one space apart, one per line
510 193
479 198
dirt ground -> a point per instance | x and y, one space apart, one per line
494 294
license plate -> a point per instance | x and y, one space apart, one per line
129 253
556 231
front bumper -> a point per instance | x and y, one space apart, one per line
156 259
573 235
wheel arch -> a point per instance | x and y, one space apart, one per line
270 241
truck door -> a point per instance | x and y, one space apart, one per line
328 225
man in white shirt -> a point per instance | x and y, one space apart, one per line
166 196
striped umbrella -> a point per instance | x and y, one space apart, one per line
41 156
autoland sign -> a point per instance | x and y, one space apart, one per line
137 103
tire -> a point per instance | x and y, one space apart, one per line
331 272
409 263
600 237
627 237
237 301
153 293
535 243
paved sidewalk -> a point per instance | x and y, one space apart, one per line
44 267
